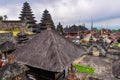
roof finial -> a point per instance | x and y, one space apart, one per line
91 38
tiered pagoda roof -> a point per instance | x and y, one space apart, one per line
60 28
75 28
27 15
46 19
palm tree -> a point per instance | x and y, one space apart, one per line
5 17
1 18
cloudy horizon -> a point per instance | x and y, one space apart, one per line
104 13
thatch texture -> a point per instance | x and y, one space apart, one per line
7 46
49 51
10 71
75 28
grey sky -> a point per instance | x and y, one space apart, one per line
103 12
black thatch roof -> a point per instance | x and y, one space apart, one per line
49 51
12 70
7 46
75 28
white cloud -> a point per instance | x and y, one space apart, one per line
111 23
3 11
12 11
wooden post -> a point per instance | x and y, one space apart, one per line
10 59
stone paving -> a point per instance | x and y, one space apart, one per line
102 65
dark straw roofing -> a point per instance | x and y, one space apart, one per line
7 46
49 51
9 71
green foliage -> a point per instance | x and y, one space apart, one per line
114 30
1 18
5 17
119 30
84 69
95 29
116 45
0 52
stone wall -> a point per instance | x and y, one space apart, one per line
6 37
11 24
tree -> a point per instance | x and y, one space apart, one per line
5 17
118 30
114 30
95 29
1 18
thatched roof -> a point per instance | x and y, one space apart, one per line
49 51
10 71
75 28
7 46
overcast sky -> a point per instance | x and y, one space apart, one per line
104 13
